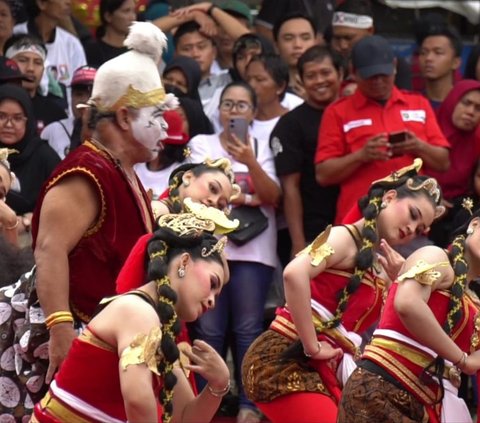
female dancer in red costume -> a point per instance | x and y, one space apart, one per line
115 368
428 334
334 291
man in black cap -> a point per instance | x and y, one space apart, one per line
377 130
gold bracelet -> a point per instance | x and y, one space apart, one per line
58 317
59 320
315 353
221 392
14 226
462 358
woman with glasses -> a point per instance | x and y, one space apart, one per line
35 159
241 304
246 47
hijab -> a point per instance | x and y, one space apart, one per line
191 69
35 159
198 121
464 144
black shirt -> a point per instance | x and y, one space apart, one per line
48 109
294 142
99 52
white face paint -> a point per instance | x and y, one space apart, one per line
150 128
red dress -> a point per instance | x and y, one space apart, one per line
87 387
392 348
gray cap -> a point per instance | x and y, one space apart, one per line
373 55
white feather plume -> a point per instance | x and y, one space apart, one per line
170 102
146 38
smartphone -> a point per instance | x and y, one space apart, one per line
396 137
239 127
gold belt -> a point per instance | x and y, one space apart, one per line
420 358
287 328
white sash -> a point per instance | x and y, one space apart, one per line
347 365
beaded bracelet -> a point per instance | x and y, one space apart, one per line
315 353
221 392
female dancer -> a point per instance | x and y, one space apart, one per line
428 334
115 367
334 291
211 182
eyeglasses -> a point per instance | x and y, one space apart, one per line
15 120
241 106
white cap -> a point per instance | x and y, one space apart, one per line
132 78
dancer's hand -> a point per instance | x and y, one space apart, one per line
327 352
390 260
207 363
472 364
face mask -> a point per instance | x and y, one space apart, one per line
150 128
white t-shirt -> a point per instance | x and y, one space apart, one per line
156 180
263 248
57 134
290 101
261 129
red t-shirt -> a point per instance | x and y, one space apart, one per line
348 123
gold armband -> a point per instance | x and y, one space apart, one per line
143 349
423 272
319 249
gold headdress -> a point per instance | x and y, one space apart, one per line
430 185
186 224
223 225
410 170
4 153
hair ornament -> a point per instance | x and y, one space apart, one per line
225 165
410 170
222 223
218 247
467 204
186 224
430 185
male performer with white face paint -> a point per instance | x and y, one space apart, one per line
94 208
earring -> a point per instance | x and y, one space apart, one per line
383 205
186 183
469 231
181 272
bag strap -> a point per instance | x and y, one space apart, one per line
255 146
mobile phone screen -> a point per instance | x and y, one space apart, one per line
396 137
239 127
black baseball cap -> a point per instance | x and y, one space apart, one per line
10 72
373 55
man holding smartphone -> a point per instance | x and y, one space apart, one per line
376 130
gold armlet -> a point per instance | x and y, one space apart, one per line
423 272
319 249
143 349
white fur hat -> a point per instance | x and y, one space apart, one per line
132 78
